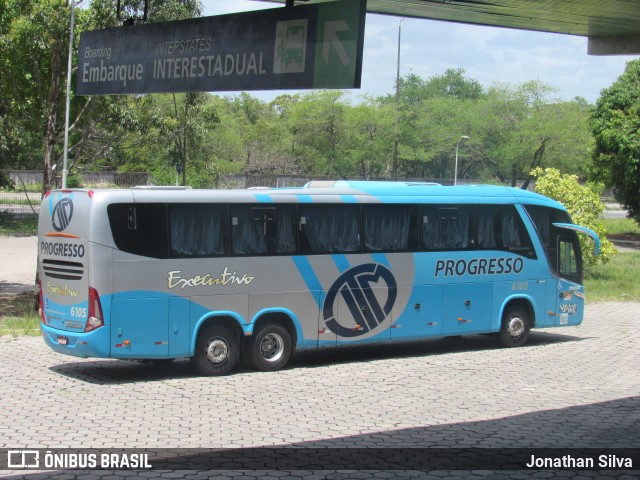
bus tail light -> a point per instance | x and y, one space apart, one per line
95 318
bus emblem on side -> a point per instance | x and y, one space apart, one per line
62 213
356 288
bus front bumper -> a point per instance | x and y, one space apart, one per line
80 344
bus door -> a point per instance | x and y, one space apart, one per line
568 300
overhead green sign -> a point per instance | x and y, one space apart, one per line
310 46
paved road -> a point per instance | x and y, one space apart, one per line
18 257
575 387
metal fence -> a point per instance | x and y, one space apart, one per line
282 181
31 178
20 203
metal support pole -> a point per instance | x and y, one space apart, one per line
396 140
65 161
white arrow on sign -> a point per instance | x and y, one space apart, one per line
331 30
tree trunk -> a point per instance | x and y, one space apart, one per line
51 109
537 162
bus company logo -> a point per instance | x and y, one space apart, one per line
62 213
356 287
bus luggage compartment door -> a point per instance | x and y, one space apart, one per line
139 328
467 308
422 315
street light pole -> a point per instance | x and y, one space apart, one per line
397 133
65 152
455 172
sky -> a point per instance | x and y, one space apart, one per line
487 54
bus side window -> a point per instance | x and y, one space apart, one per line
390 228
329 228
197 230
447 227
140 229
500 227
262 230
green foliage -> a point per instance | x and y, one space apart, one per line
33 36
451 84
511 129
11 225
584 206
524 128
18 315
74 181
622 226
6 182
615 124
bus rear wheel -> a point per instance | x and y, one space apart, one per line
269 349
515 327
216 351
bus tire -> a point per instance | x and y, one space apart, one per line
269 349
515 327
216 351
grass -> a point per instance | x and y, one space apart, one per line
29 187
618 280
18 317
621 226
17 201
11 225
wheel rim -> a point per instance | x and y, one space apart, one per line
272 347
516 327
216 351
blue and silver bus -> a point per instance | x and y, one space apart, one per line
221 276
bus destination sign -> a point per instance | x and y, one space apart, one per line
309 46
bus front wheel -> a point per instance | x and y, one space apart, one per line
216 351
269 349
515 327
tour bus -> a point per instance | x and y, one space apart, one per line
222 276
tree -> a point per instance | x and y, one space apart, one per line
583 204
33 44
615 123
34 37
368 146
452 83
511 129
320 121
527 129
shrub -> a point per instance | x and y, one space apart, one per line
583 204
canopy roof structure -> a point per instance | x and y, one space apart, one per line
613 26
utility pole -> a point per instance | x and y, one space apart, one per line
396 139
